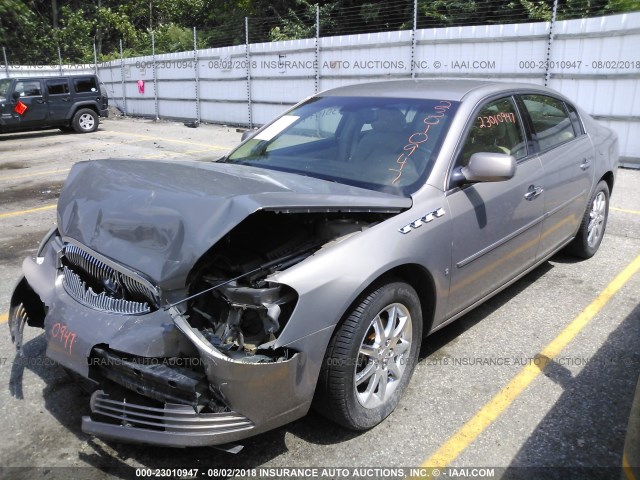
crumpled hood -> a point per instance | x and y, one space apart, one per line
160 217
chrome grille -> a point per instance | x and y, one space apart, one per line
171 418
78 289
95 268
99 271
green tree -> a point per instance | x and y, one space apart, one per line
302 24
71 36
19 26
33 29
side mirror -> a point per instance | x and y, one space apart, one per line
489 167
247 134
15 96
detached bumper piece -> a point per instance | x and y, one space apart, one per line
172 426
159 382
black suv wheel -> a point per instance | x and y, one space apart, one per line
85 121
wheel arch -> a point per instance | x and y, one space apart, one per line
609 178
331 398
80 106
25 295
413 274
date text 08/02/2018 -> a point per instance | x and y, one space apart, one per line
577 64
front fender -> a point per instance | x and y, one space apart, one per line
330 281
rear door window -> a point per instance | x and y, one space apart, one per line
85 85
58 87
550 120
575 120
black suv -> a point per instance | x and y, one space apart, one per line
69 103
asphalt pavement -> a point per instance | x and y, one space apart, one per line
541 376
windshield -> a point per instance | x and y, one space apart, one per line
4 88
384 144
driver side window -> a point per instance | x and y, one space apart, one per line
496 129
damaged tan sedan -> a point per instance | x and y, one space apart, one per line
209 302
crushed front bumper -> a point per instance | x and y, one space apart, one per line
171 426
253 397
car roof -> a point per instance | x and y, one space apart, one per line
442 89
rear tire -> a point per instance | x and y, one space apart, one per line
85 121
593 225
371 357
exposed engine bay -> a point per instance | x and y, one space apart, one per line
245 314
232 309
233 312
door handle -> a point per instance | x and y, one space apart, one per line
586 163
40 101
534 192
66 99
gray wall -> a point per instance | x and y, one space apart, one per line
593 61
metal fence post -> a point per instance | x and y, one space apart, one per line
248 62
317 85
155 75
124 90
6 62
547 73
196 71
95 59
413 38
59 60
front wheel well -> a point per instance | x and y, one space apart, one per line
608 177
422 282
24 295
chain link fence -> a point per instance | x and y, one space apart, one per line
247 70
308 21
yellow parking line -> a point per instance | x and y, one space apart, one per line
4 317
171 140
35 174
30 210
460 440
627 468
636 212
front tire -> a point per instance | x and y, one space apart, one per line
371 357
85 121
593 225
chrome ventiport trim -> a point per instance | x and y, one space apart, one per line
417 223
